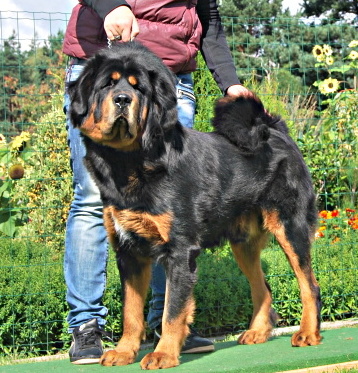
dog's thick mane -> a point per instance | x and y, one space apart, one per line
245 123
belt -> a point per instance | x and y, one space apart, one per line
77 61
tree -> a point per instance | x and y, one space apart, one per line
29 78
250 9
263 46
10 59
336 8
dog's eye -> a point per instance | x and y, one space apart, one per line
112 82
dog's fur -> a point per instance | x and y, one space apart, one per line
170 191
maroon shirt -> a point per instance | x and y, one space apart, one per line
174 30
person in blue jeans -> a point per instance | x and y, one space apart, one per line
86 246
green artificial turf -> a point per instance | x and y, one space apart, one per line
277 355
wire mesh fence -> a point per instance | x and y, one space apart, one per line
274 58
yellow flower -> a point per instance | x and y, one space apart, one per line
327 50
329 60
317 52
20 140
353 44
329 86
353 55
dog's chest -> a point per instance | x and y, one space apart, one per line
128 226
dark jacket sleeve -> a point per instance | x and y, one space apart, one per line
214 46
103 7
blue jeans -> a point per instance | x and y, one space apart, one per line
86 246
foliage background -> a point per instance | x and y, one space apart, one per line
272 52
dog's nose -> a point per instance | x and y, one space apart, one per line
122 100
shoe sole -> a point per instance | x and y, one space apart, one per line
199 350
86 361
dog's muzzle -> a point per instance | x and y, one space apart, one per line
122 101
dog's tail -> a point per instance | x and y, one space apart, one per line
245 122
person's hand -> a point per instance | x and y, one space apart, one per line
121 24
238 90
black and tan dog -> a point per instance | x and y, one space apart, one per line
169 191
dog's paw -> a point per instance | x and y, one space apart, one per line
114 357
159 360
253 336
302 339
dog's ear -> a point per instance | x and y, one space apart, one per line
163 112
80 92
164 97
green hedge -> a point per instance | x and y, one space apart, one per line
33 307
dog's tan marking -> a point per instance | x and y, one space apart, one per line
96 130
154 228
247 255
132 80
133 182
109 225
135 292
143 117
108 132
174 332
309 329
116 75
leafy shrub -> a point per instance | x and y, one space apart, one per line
330 150
206 93
222 293
13 158
33 307
334 261
46 190
32 296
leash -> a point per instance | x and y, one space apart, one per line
116 38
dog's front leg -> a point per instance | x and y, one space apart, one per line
135 277
178 310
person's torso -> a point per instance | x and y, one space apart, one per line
170 29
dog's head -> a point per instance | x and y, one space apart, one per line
124 98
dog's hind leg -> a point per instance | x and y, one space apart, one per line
178 311
247 255
135 277
297 250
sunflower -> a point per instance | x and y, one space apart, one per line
327 50
317 52
329 60
353 55
16 172
353 44
329 86
20 141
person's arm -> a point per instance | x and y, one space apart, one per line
103 7
118 19
215 49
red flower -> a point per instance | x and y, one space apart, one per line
323 214
335 213
328 214
353 222
319 234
